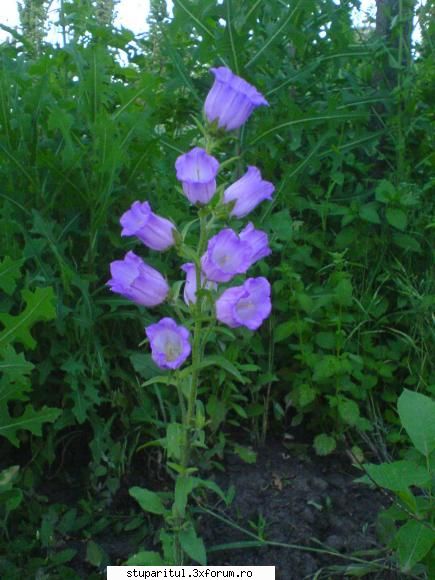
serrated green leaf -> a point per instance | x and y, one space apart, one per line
174 440
349 411
31 420
39 306
193 545
324 444
14 365
306 394
184 486
9 274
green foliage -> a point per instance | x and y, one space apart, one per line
15 370
83 134
409 525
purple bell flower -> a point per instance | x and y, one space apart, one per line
247 305
137 281
190 285
248 192
170 343
226 256
231 99
257 241
154 231
197 172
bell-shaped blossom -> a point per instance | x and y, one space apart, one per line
248 192
257 241
154 231
197 172
231 99
226 256
137 281
247 305
170 343
190 285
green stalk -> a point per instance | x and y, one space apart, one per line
187 415
196 346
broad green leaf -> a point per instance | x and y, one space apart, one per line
417 415
349 411
324 444
174 440
9 274
398 475
306 394
193 545
148 500
385 191
39 306
343 292
245 453
145 559
184 485
144 365
326 340
94 554
63 556
280 225
406 242
413 542
369 213
283 331
397 218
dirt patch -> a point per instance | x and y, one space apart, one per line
293 499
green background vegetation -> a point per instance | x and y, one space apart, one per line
348 140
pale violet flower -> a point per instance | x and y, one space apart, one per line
247 192
154 231
170 343
247 305
231 99
137 281
197 172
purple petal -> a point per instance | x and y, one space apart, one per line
231 99
248 192
226 256
247 305
197 172
170 343
258 243
154 231
137 281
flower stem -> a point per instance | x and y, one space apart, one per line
196 346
